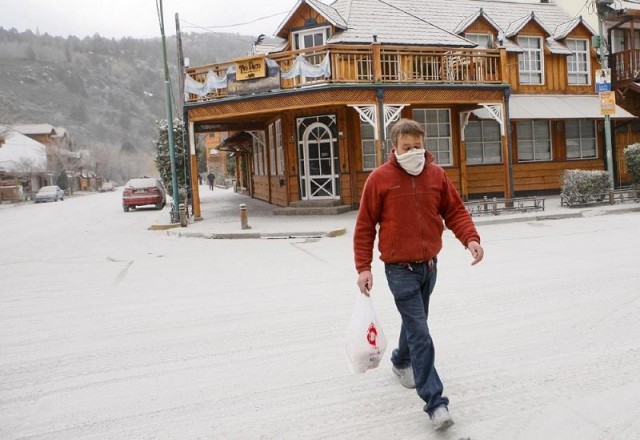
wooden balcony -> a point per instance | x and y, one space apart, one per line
372 64
625 65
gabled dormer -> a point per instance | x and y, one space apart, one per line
309 24
479 28
575 35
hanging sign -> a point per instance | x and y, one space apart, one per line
607 103
250 68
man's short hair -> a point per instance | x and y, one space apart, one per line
405 127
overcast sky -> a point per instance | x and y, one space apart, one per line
139 18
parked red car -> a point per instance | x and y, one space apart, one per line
143 191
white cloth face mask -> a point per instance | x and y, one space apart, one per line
412 161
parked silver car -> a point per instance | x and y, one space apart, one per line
51 193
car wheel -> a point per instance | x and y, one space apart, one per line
159 206
126 208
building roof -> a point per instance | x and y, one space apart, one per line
327 11
19 151
439 22
40 129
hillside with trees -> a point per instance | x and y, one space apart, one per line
107 93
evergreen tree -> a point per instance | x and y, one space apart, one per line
163 160
62 180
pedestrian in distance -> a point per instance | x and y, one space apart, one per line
405 202
211 178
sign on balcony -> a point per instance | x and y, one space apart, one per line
250 68
270 80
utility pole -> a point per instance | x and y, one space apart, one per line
175 213
602 6
191 155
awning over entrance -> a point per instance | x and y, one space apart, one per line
238 143
555 107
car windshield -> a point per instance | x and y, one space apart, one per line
47 189
142 183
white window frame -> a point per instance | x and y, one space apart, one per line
279 148
484 143
483 40
298 36
368 146
272 150
579 57
528 67
533 140
434 138
259 154
581 139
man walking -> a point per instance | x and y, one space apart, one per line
211 178
407 199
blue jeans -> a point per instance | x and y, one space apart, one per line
411 285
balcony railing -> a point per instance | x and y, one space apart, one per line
356 64
626 65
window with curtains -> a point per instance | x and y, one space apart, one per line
437 126
483 142
530 61
534 140
578 67
581 139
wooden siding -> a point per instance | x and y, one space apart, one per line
261 187
555 66
624 136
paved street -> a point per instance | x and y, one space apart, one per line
109 330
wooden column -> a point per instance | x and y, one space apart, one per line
376 62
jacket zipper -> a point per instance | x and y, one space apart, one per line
420 226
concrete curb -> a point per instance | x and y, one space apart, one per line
586 212
257 235
175 231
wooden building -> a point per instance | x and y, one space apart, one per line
621 21
505 92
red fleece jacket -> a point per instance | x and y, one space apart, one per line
410 211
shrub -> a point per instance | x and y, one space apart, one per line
583 186
632 157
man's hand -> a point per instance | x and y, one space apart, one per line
365 281
476 252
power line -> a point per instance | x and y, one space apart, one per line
208 28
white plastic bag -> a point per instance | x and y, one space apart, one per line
366 341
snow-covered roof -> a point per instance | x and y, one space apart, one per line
19 150
442 22
35 129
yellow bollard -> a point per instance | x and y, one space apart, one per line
244 221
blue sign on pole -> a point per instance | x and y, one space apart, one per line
603 80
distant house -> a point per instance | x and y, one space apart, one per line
54 138
504 90
23 165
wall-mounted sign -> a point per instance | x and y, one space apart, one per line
250 68
607 103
